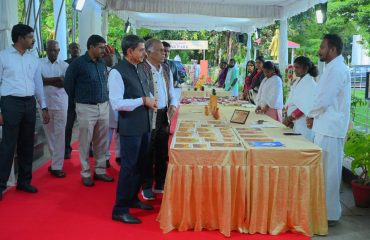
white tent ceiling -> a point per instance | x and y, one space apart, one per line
218 15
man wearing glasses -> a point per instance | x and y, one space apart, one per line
86 85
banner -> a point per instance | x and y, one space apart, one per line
187 45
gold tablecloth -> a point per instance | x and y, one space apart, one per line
250 190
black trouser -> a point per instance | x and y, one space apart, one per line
133 152
71 117
19 116
158 153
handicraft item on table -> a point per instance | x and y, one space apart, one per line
239 116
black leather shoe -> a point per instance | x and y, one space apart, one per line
57 173
67 155
87 181
103 177
126 218
143 206
332 223
27 188
91 153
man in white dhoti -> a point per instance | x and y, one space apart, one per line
329 119
53 71
301 96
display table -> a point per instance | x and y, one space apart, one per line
217 180
188 91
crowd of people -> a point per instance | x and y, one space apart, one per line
134 100
318 109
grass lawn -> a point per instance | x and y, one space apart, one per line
362 113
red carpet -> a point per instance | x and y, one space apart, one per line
65 209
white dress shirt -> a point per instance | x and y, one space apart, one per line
270 93
331 107
56 98
20 75
116 92
162 94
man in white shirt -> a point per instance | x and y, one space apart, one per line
161 79
20 81
329 119
53 71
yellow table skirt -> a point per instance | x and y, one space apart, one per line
255 190
273 201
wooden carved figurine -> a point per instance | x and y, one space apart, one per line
217 114
206 111
213 101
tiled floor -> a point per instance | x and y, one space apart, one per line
355 222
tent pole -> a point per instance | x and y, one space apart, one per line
283 44
74 15
249 47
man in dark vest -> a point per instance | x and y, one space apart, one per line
160 76
129 94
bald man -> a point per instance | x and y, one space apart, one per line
53 71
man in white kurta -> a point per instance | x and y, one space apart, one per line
329 119
53 71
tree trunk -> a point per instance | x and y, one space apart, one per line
229 46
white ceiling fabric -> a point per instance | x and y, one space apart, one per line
218 15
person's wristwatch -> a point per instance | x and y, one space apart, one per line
45 109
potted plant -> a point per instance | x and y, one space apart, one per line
357 147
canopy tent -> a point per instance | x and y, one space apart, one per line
218 15
214 15
242 16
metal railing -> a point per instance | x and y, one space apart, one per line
360 113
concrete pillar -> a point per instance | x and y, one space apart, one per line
8 18
35 24
283 44
249 47
89 23
61 32
104 26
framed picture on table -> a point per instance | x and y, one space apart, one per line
239 116
367 92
